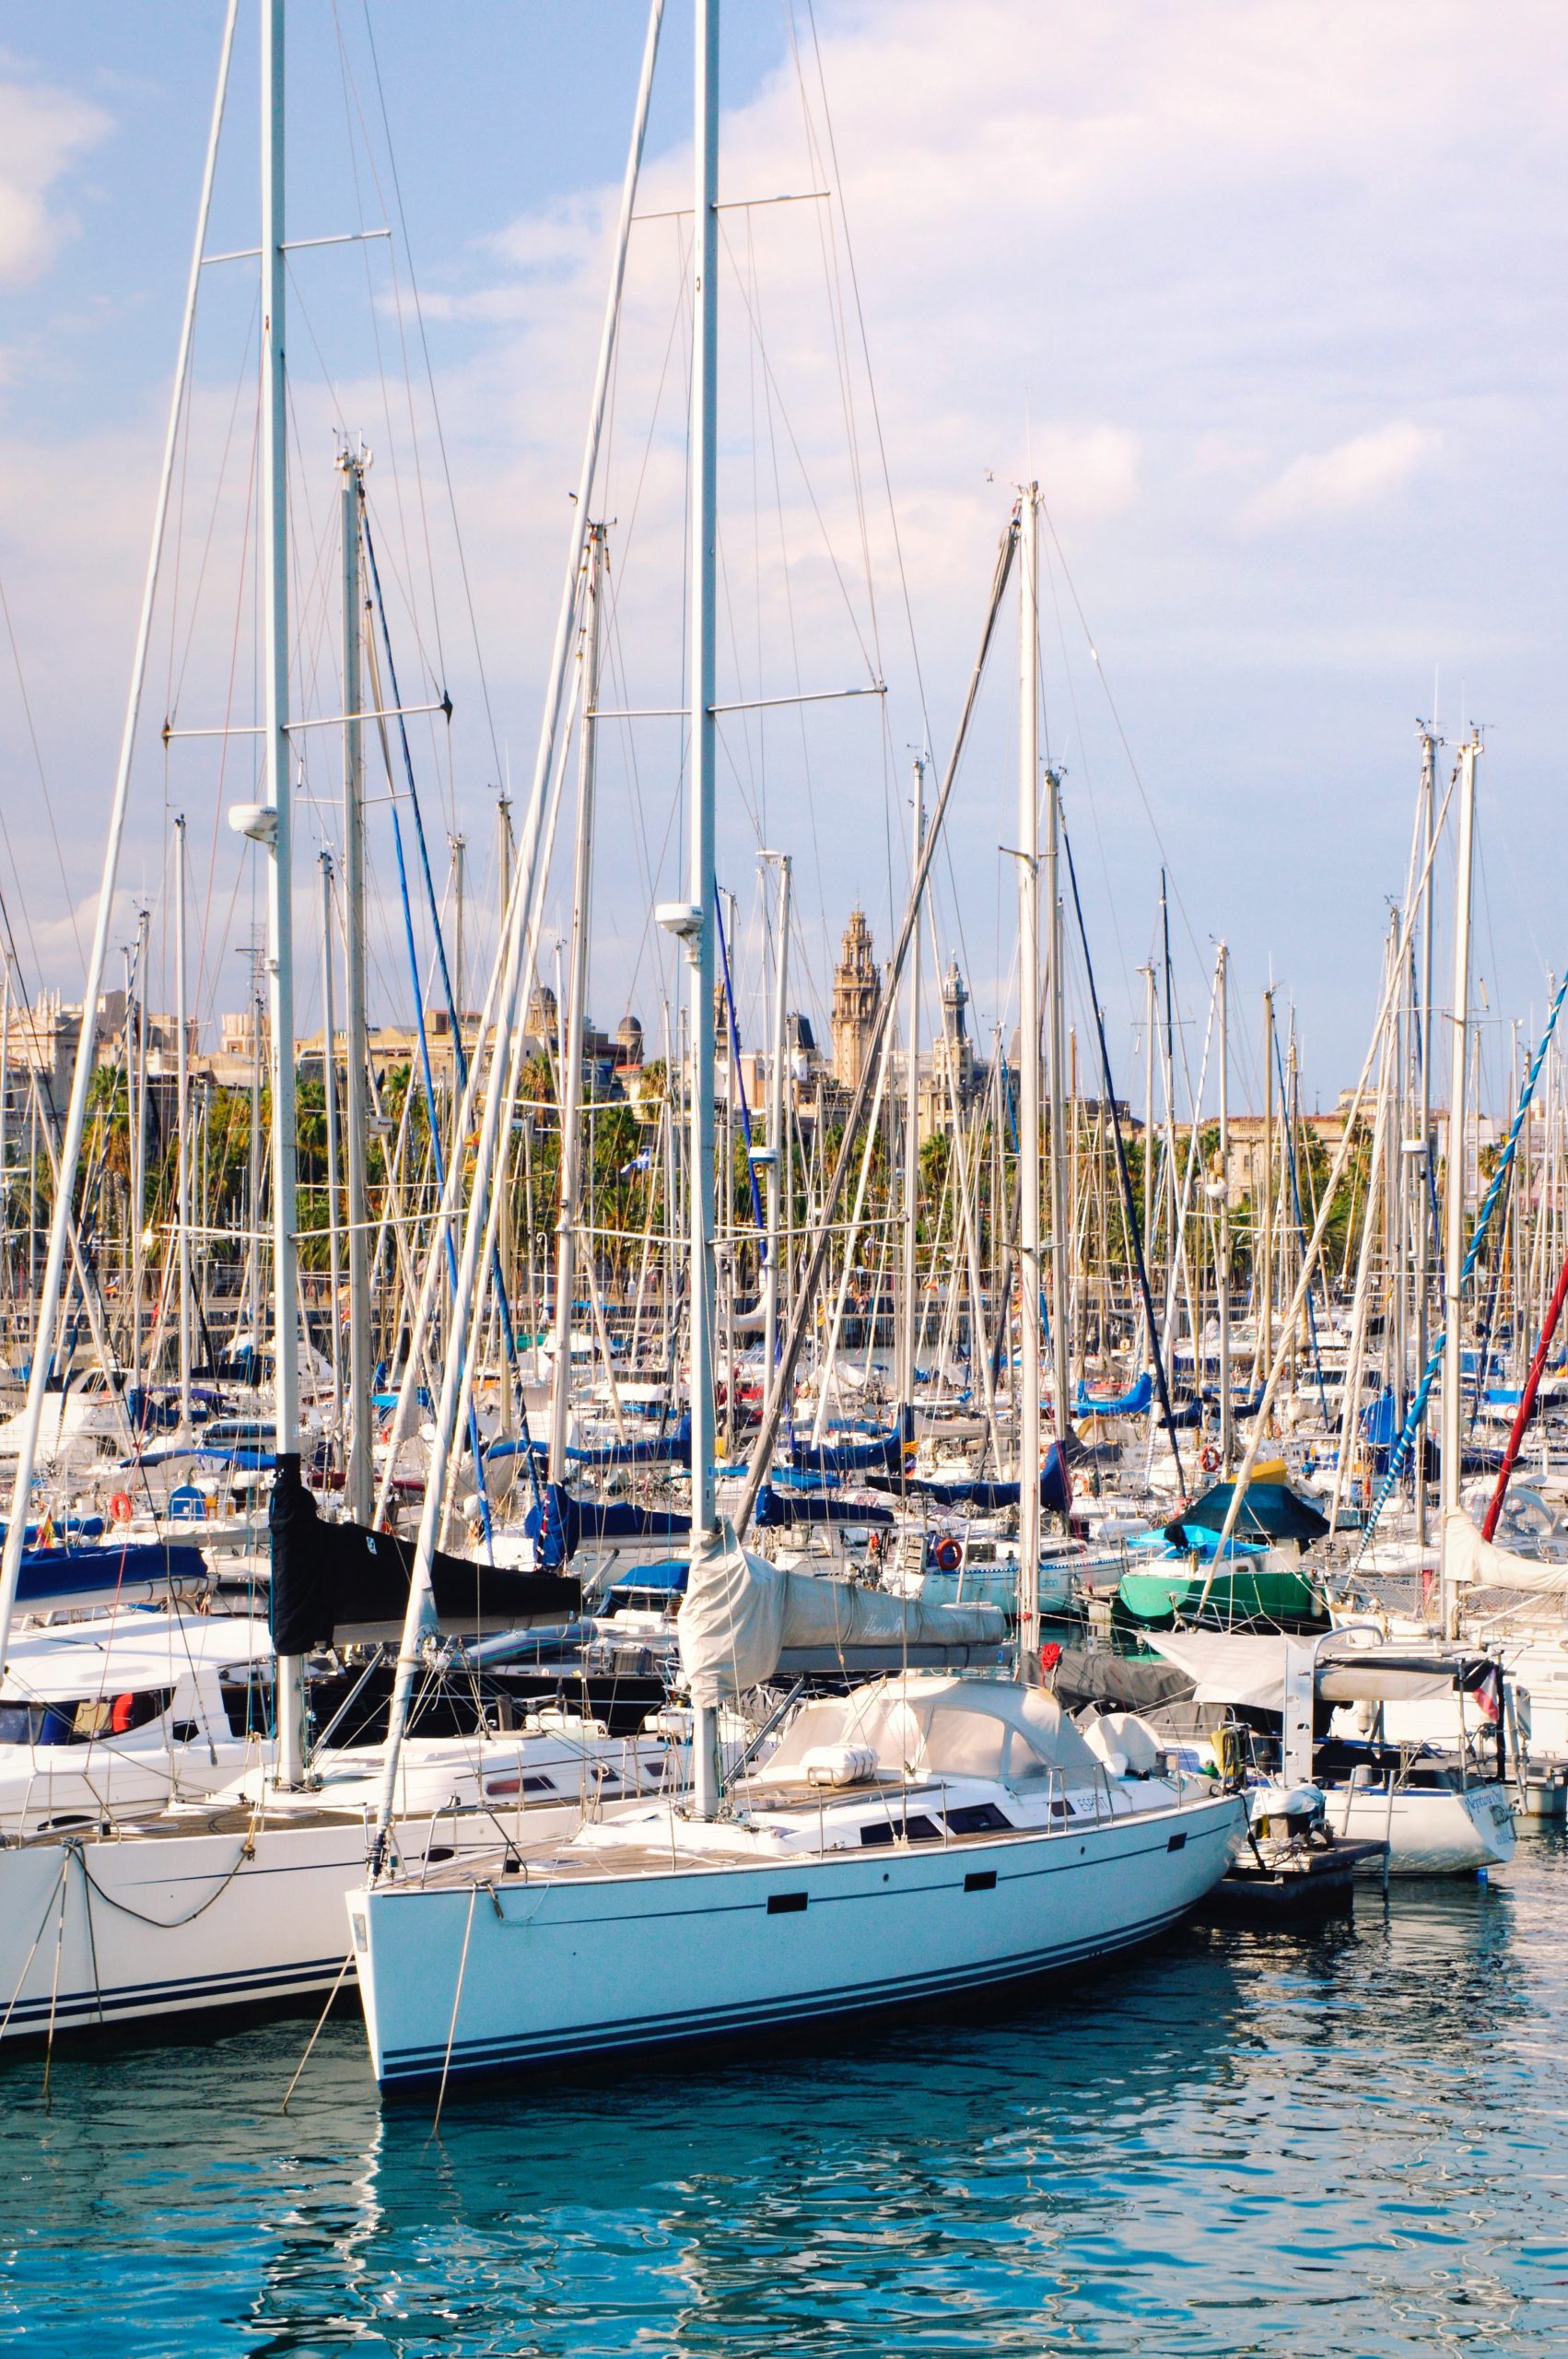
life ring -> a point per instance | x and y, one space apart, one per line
120 1507
949 1556
1208 1459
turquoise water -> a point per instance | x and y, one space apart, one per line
1352 2142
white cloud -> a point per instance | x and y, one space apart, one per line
43 132
1353 474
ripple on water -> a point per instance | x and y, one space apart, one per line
1350 2144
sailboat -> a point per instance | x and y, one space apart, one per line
922 1835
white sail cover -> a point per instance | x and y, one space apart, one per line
1480 1564
739 1615
1245 1668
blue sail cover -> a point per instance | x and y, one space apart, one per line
989 1498
674 1448
56 1578
883 1452
812 1507
558 1524
1129 1405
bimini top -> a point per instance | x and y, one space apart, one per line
135 1649
933 1724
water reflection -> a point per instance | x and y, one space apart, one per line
1345 2143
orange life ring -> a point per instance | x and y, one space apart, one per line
1208 1459
120 1507
949 1556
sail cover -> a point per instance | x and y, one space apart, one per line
340 1580
740 1614
1467 1558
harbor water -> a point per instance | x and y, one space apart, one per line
1349 2142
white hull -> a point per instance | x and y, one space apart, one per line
217 1907
625 1962
1431 1831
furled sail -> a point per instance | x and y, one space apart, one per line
1480 1564
740 1614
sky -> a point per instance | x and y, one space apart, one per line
1267 301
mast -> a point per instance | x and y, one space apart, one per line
1062 1202
778 1165
329 1104
703 571
1029 1271
1454 1194
359 1477
1266 1315
277 797
137 1112
570 1038
182 1118
1227 1415
1423 1161
912 1126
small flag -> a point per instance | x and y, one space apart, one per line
1488 1695
643 1162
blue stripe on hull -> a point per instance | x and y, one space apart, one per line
125 2002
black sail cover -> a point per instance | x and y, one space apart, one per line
341 1581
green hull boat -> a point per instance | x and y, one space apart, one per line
1239 1593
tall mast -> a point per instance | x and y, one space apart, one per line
359 1486
1266 1315
182 1118
1061 1203
777 1166
136 1111
329 1107
1227 1415
277 797
569 1036
1423 1161
1029 1270
703 570
912 1123
1454 1194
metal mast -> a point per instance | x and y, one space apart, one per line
777 1166
1454 1194
182 1118
360 1473
569 1035
703 564
912 1123
277 797
1029 1270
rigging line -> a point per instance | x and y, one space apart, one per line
836 312
38 759
435 404
1090 800
243 378
782 1377
202 981
867 653
1129 1201
871 377
1116 717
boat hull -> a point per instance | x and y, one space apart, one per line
211 1914
1431 1831
466 1978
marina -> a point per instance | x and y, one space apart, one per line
879 1656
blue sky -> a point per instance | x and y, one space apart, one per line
1269 299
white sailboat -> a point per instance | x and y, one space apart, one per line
922 1835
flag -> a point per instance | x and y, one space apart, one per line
643 1162
1487 1695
